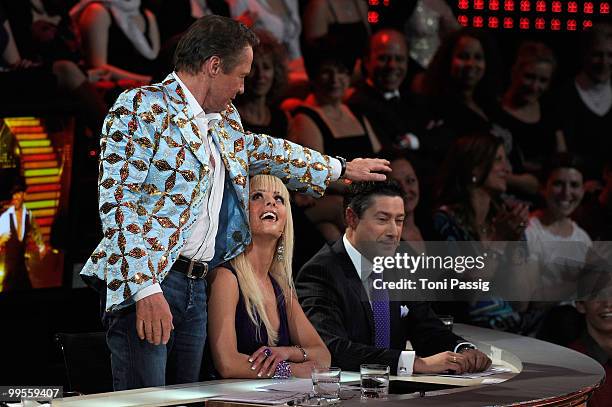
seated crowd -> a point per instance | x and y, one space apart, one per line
470 162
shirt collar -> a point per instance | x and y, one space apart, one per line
386 95
593 349
359 262
195 107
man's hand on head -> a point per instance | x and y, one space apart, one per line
154 319
367 169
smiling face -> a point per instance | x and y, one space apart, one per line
598 315
564 191
226 85
468 62
387 61
17 199
378 231
496 181
259 81
531 80
598 61
331 82
268 210
403 172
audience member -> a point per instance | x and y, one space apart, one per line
585 103
403 173
336 26
119 36
596 342
595 214
324 123
360 324
279 17
174 16
472 182
533 125
378 96
258 105
257 327
553 238
42 53
460 84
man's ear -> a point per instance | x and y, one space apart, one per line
212 66
352 220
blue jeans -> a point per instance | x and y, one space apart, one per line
137 363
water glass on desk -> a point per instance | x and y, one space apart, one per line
374 381
326 383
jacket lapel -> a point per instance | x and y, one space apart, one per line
182 116
355 283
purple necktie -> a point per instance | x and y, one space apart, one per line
380 309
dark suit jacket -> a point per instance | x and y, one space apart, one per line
334 299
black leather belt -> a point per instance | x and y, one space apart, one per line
191 268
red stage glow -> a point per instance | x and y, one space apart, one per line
493 22
571 25
494 5
586 24
508 22
541 6
509 5
525 5
373 17
556 7
540 23
604 8
555 24
463 20
588 7
524 23
464 4
572 7
478 4
478 22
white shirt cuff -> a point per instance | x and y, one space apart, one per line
145 292
336 168
405 364
463 343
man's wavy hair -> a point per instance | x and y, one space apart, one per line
209 36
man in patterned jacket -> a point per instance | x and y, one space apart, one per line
174 176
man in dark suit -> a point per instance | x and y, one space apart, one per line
393 115
361 325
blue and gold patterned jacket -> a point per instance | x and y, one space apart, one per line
154 170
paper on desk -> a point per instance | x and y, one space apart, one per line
262 397
494 369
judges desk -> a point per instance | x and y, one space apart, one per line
543 374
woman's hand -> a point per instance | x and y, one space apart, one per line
441 362
266 358
509 225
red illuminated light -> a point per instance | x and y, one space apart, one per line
509 5
571 25
494 5
463 20
478 22
374 2
555 24
373 17
525 5
586 24
540 23
524 23
556 7
588 8
572 7
493 22
604 8
463 4
541 6
508 22
478 4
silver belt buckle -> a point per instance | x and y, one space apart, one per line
190 270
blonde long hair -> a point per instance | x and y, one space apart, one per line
280 270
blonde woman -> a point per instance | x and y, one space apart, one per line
256 326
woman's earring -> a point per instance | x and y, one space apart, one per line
280 249
474 179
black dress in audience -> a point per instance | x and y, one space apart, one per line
123 54
278 126
586 133
350 147
532 143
